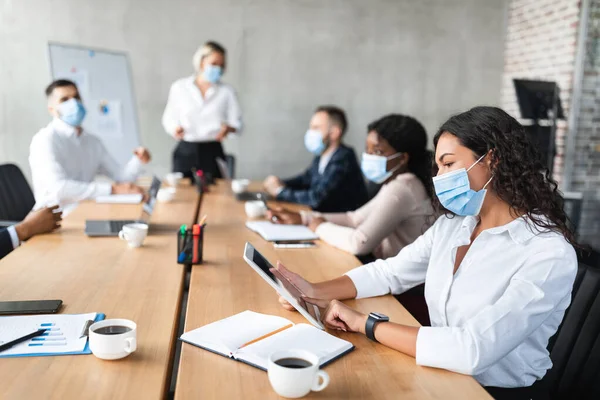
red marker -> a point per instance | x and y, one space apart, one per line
196 237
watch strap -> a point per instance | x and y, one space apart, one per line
370 328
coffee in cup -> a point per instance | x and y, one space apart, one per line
113 339
294 373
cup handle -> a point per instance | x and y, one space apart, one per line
131 346
317 387
123 235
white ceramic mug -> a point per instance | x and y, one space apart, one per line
296 382
255 209
166 195
107 345
134 234
239 185
173 178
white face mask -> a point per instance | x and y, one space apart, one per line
374 167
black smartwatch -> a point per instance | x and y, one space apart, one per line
374 319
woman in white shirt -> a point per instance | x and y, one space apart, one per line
201 111
498 267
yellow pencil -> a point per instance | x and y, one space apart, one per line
266 336
203 220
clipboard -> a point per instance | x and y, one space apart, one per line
86 349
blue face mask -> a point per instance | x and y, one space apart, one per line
72 112
455 194
374 167
212 73
313 140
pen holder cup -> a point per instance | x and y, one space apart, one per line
190 247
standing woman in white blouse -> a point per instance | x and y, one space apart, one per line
201 112
498 267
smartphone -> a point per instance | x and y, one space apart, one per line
294 245
29 307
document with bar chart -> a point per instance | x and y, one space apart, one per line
62 334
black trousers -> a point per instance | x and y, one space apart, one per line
535 392
199 155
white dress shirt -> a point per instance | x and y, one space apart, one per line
64 165
14 238
324 160
493 318
201 118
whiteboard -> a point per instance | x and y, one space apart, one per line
106 88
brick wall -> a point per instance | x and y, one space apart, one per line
586 171
541 44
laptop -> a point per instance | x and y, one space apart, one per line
112 228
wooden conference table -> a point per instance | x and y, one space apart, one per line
146 285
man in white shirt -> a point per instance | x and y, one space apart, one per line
65 160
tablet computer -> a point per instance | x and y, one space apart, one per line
283 286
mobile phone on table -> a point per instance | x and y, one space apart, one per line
29 307
294 245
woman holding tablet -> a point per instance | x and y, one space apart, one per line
397 157
499 266
201 112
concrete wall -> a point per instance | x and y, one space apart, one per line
428 58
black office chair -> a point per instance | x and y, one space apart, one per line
575 349
16 197
230 159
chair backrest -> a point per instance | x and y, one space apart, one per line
16 197
230 160
575 349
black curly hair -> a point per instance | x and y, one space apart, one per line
406 135
520 178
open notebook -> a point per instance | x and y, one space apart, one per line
277 232
251 337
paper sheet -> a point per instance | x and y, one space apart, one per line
62 336
273 232
134 198
107 118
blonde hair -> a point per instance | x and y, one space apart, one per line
204 51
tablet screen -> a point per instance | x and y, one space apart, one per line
280 280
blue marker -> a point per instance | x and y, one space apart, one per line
47 324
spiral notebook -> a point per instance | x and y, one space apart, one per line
277 232
250 337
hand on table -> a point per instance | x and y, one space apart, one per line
126 188
44 220
315 222
339 316
280 215
272 185
143 154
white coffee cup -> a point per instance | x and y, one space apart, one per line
134 234
255 209
113 339
173 178
296 382
166 195
239 185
